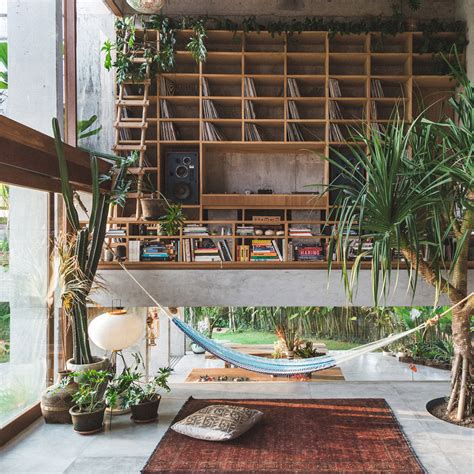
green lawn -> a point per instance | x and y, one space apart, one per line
265 337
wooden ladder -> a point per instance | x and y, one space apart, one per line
123 124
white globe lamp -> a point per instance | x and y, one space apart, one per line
116 330
147 7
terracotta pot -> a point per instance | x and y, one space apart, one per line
146 412
56 400
89 422
152 208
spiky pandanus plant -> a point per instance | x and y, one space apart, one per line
412 189
81 247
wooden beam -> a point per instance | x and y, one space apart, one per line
114 7
28 158
70 71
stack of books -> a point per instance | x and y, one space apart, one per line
116 233
249 87
265 251
293 89
157 252
245 230
195 230
309 253
300 232
206 254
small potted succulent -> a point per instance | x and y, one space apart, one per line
144 399
89 401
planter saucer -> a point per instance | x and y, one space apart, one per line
151 420
87 433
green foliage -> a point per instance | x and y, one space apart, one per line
80 252
4 332
196 45
4 63
163 59
174 218
91 387
84 128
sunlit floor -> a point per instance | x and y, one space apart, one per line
442 448
368 367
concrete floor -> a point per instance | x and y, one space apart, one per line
442 448
368 367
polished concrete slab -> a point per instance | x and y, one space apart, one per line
374 366
124 447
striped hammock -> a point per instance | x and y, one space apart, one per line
280 366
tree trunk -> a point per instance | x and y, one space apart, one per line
460 400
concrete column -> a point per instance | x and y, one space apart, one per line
465 12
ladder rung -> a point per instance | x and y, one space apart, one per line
130 125
129 147
141 60
133 102
145 82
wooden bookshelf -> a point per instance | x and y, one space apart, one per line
251 80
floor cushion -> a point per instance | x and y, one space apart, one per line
218 422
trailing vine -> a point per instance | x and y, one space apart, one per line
162 59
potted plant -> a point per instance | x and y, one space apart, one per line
89 404
80 249
144 399
173 219
116 394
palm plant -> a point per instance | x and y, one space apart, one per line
80 249
412 189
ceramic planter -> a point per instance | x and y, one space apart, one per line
98 364
152 208
89 422
146 412
197 349
56 400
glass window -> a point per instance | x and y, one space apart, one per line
23 301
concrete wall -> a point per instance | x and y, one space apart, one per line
294 8
253 288
465 12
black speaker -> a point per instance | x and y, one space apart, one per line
182 177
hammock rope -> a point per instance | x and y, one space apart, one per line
282 366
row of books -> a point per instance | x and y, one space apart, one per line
209 110
300 232
249 110
265 250
249 87
253 133
167 87
293 89
211 133
195 250
196 230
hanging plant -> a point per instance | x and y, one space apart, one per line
163 59
196 45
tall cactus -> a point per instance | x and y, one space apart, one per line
85 243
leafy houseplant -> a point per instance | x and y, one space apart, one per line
412 189
80 249
174 218
89 403
143 397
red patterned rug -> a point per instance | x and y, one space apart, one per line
295 436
